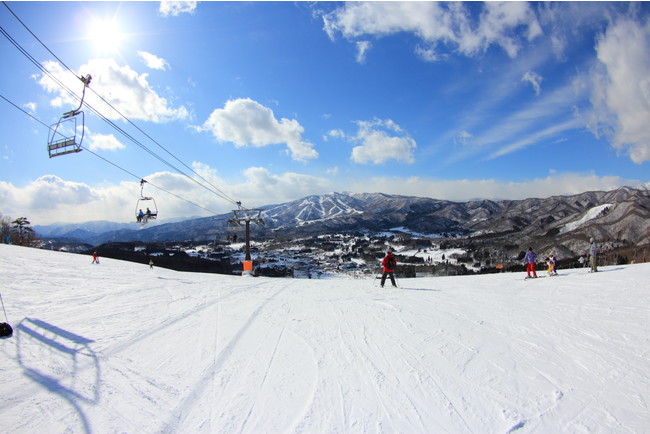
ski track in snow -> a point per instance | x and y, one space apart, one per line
121 348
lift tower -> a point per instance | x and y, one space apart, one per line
244 217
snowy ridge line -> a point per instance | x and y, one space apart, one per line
181 409
589 215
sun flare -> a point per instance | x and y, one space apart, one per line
105 35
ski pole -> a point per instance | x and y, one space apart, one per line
3 308
375 276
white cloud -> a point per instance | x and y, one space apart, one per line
337 134
465 189
464 138
50 199
260 187
245 122
381 141
428 54
264 188
438 23
175 8
621 88
534 79
500 19
333 171
362 49
107 142
31 107
563 21
153 61
125 89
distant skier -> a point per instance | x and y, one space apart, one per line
550 263
593 255
388 263
95 258
554 263
151 263
530 260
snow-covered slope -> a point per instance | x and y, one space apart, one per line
589 215
119 347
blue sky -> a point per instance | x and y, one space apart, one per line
266 102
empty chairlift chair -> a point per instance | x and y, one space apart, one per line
63 138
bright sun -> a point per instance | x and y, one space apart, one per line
105 35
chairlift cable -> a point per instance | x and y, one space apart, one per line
218 192
111 163
150 183
36 37
26 112
222 194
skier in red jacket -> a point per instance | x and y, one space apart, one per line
388 263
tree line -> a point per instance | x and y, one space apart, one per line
16 231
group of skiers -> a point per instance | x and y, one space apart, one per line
530 260
389 263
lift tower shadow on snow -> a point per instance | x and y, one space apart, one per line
242 218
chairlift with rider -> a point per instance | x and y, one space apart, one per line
147 203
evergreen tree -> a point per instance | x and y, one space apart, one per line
22 231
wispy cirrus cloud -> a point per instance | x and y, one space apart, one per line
535 81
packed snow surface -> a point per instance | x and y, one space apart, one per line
120 347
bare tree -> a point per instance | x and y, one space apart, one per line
5 229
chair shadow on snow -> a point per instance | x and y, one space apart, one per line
61 362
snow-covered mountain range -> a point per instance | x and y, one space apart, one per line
620 215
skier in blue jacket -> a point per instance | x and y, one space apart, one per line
530 260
